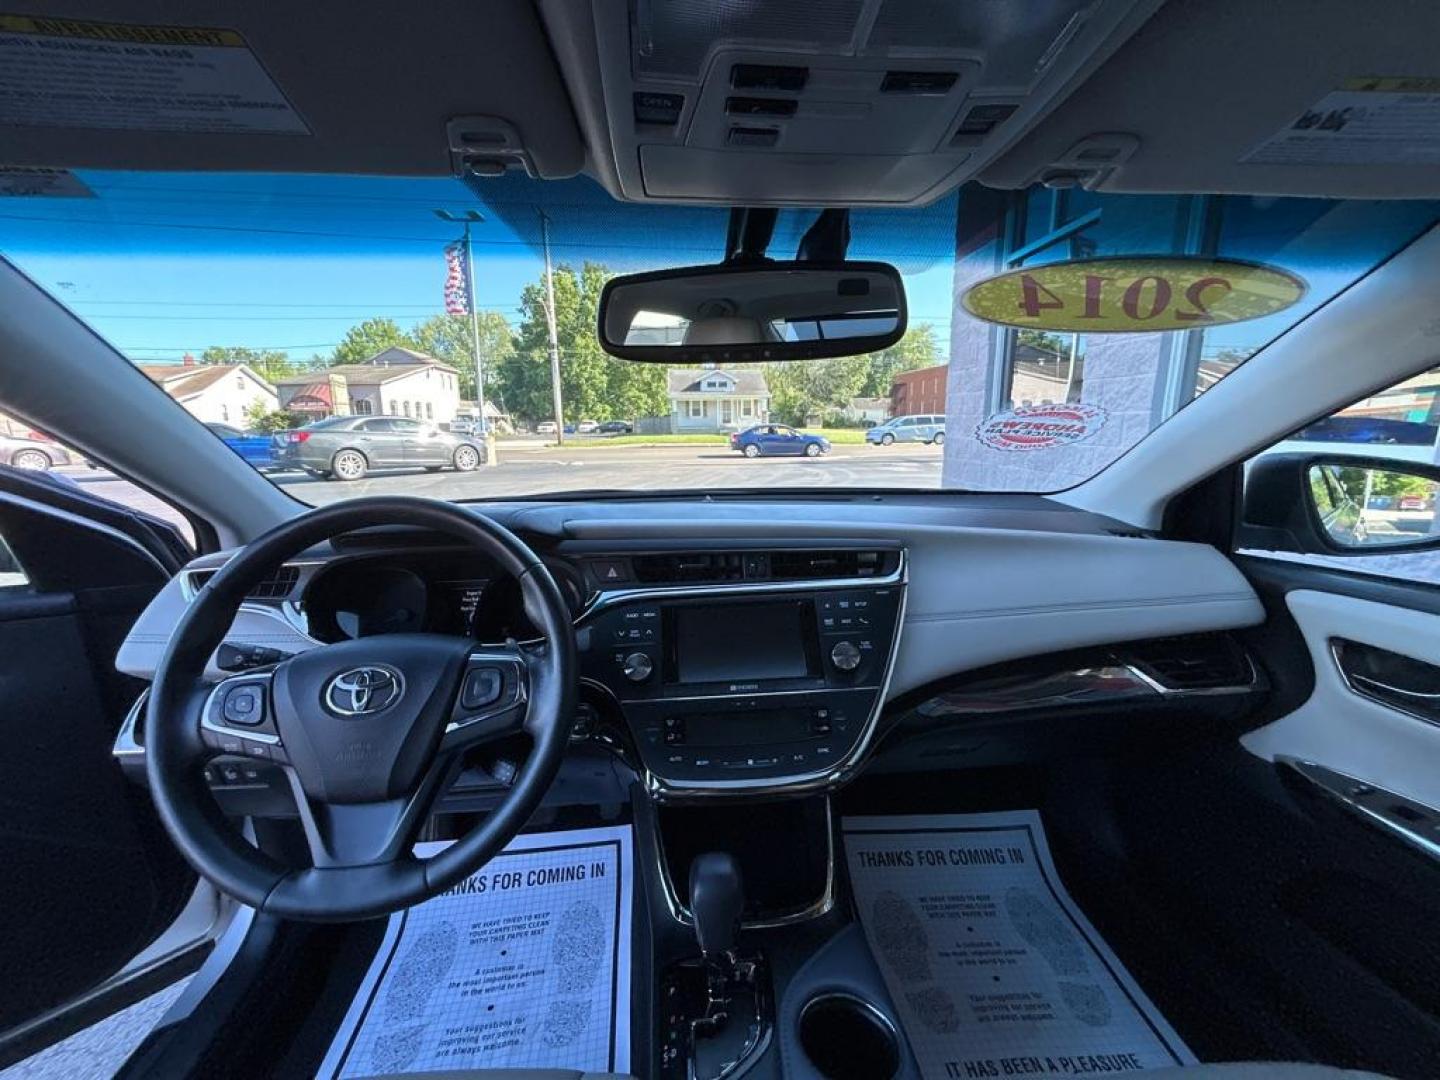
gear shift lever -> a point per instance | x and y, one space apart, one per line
717 896
719 1006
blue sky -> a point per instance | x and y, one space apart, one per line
164 264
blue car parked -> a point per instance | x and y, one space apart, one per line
255 449
772 440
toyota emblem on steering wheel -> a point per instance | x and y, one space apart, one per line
364 690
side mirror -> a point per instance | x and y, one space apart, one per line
1339 504
746 312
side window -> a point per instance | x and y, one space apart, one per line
12 574
405 427
1373 513
27 448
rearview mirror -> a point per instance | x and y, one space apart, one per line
753 312
1340 504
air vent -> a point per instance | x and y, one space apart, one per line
275 587
801 565
718 567
1201 662
689 567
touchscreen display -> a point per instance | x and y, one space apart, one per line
743 642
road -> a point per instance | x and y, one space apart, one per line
533 467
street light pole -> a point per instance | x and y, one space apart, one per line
470 218
550 325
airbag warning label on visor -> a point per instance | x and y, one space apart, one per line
191 80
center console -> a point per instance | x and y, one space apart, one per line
749 685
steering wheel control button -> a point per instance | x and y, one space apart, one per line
482 687
845 655
244 705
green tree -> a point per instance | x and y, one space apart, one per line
372 336
917 349
261 418
269 364
448 338
807 389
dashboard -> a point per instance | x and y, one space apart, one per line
734 649
423 592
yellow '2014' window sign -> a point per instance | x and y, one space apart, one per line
1129 295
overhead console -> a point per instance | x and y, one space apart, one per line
744 670
863 102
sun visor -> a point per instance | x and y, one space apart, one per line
1327 98
318 87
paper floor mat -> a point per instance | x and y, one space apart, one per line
993 969
525 964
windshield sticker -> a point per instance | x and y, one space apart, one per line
1040 427
80 74
1368 121
23 183
1130 295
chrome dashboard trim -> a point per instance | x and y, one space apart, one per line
1203 691
821 906
126 745
610 597
832 775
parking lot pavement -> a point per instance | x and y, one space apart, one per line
526 469
533 467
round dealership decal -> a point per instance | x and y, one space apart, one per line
1040 427
1133 295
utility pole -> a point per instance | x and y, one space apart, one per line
550 325
470 218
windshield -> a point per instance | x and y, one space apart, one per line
351 336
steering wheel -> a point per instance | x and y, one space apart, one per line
368 732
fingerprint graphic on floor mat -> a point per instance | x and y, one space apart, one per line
395 1050
419 972
578 950
577 955
935 1009
899 935
1088 1003
1043 931
566 1021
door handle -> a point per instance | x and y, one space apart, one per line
1389 678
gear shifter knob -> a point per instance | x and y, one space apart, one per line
717 896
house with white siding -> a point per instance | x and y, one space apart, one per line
712 399
213 393
395 382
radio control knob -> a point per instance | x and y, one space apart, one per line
845 655
638 666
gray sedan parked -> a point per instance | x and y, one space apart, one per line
348 447
33 454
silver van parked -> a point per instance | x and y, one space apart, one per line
926 429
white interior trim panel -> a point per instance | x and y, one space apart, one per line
1341 730
977 595
983 596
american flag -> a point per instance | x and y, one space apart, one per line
457 280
